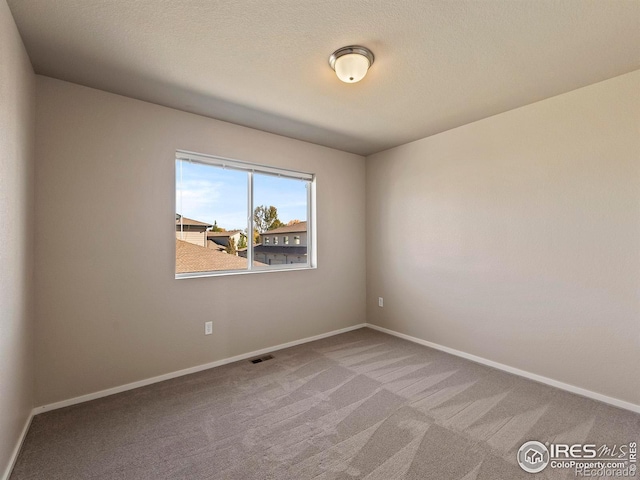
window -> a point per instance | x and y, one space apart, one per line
225 207
296 240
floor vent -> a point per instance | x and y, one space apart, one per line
261 359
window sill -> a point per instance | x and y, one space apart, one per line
182 276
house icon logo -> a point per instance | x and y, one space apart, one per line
533 457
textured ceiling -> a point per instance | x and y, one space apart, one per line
263 63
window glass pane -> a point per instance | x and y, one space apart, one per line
280 210
211 218
212 210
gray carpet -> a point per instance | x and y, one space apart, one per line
359 405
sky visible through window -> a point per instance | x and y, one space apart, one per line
213 194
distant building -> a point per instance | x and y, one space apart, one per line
220 240
191 231
290 235
282 245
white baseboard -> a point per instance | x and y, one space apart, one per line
516 371
538 378
16 449
187 371
130 386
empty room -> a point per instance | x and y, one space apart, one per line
298 240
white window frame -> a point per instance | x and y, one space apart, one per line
250 169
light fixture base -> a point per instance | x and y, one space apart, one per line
364 51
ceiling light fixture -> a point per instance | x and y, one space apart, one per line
351 63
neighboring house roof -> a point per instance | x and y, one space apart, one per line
191 222
194 258
281 249
223 234
215 246
295 228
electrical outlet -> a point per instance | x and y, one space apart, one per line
208 328
380 302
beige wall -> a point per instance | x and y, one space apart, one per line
525 238
109 308
17 108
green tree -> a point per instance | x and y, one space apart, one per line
216 228
231 247
266 218
242 243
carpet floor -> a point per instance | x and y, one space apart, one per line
360 405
